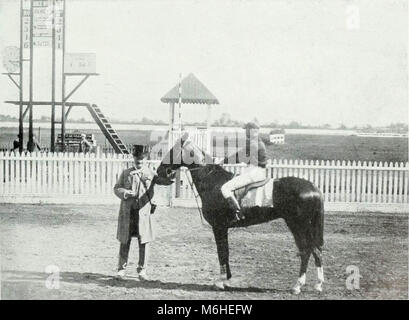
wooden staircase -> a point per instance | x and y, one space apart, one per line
107 130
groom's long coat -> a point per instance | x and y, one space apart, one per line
145 225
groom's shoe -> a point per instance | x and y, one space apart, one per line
121 274
142 275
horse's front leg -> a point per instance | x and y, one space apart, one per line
222 243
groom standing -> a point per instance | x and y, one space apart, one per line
135 189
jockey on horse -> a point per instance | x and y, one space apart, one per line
254 155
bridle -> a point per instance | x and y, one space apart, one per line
196 195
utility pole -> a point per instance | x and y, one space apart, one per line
52 142
20 122
30 105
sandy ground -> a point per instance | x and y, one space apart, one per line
80 241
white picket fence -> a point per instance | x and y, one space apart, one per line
89 178
65 177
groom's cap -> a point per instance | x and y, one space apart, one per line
139 149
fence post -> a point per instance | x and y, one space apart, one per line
358 182
301 169
12 175
348 182
369 182
380 181
279 168
374 181
17 188
296 171
390 182
385 182
70 172
395 182
98 174
274 169
343 192
405 189
364 182
290 170
35 171
322 176
316 173
92 173
401 176
332 182
46 171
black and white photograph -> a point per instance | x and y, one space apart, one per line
232 150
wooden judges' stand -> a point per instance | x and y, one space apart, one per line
188 91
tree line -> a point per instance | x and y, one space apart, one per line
226 120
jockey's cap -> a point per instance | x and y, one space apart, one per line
251 125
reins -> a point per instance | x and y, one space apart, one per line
203 221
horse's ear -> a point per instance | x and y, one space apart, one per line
184 137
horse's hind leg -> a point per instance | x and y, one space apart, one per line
320 271
317 227
302 240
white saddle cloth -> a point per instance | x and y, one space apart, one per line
262 196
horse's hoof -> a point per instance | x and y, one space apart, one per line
318 287
296 290
228 283
219 284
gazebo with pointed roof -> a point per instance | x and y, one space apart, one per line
188 91
192 91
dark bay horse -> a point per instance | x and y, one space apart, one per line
295 200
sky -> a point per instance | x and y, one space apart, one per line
314 62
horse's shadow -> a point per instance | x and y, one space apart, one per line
105 280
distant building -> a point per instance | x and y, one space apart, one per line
277 136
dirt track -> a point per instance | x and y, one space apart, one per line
80 240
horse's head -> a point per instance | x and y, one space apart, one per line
184 153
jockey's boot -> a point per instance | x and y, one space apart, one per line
234 205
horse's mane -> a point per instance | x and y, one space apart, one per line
219 170
214 168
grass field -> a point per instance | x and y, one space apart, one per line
305 147
320 147
80 241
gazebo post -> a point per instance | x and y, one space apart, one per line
170 139
171 124
208 125
170 144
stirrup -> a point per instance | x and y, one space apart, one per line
235 220
234 205
239 214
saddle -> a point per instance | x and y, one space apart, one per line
256 194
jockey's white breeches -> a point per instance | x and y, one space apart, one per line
249 175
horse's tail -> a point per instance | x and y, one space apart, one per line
317 221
